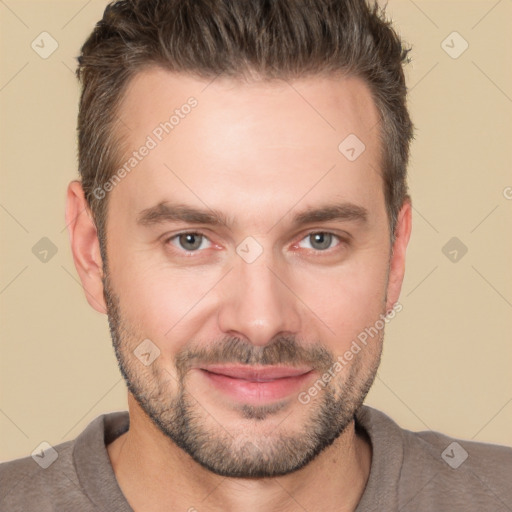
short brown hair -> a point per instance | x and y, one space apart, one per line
277 39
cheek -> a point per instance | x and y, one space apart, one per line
163 303
347 299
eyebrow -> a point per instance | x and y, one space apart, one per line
174 212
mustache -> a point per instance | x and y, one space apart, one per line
282 350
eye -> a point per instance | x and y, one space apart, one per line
320 240
190 241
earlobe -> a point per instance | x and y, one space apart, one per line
397 264
85 246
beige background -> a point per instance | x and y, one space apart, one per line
447 355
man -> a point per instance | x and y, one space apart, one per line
273 138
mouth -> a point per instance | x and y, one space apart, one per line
256 384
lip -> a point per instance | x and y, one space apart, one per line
256 384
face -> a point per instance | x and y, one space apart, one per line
246 253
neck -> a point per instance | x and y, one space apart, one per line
155 475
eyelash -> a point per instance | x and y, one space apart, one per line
189 254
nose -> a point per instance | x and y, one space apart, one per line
257 301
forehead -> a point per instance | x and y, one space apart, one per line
265 142
329 105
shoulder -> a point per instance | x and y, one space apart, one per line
440 471
456 452
33 479
474 475
56 477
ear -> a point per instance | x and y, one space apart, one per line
397 264
85 245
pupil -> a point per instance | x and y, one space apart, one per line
189 239
323 239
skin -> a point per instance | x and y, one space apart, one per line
259 152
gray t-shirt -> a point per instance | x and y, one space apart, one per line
423 471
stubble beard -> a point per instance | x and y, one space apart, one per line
241 452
